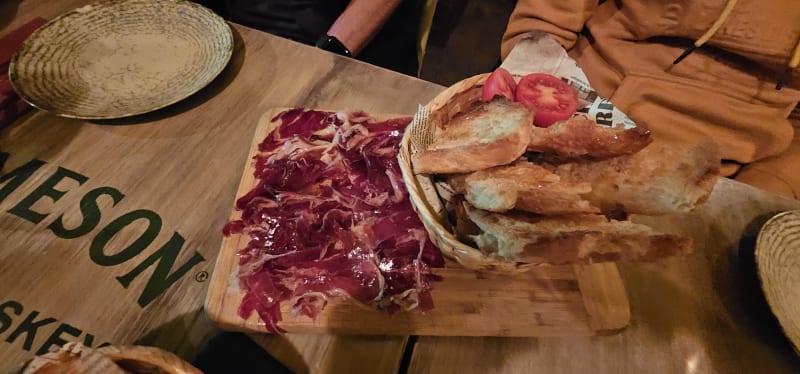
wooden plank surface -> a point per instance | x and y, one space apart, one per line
180 166
703 313
542 302
700 314
325 353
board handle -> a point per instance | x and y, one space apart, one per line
604 296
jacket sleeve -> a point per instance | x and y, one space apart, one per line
778 174
563 19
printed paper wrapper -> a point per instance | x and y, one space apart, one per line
538 52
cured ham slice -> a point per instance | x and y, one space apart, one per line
330 217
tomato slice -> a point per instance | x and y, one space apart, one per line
553 99
499 83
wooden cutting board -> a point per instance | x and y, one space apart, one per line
551 301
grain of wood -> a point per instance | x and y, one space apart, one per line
541 302
184 163
695 314
605 299
323 353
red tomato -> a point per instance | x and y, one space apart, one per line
499 83
553 99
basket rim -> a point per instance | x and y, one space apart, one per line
466 255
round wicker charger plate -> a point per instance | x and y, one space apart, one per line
121 58
778 262
77 358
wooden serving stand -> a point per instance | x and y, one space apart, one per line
547 301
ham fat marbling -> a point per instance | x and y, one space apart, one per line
330 217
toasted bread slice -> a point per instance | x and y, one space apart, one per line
522 186
494 133
574 239
581 137
659 179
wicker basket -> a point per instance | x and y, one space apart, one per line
777 256
428 198
77 358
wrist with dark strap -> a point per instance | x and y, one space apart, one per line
331 44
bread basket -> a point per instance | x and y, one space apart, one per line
427 198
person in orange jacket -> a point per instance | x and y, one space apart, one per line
690 70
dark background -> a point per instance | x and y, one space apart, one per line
465 39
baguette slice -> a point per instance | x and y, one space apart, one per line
662 178
580 137
575 239
494 133
522 186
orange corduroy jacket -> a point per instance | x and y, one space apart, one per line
725 89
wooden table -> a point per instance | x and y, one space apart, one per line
176 171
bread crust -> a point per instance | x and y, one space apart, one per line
573 239
580 137
523 186
662 178
492 134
